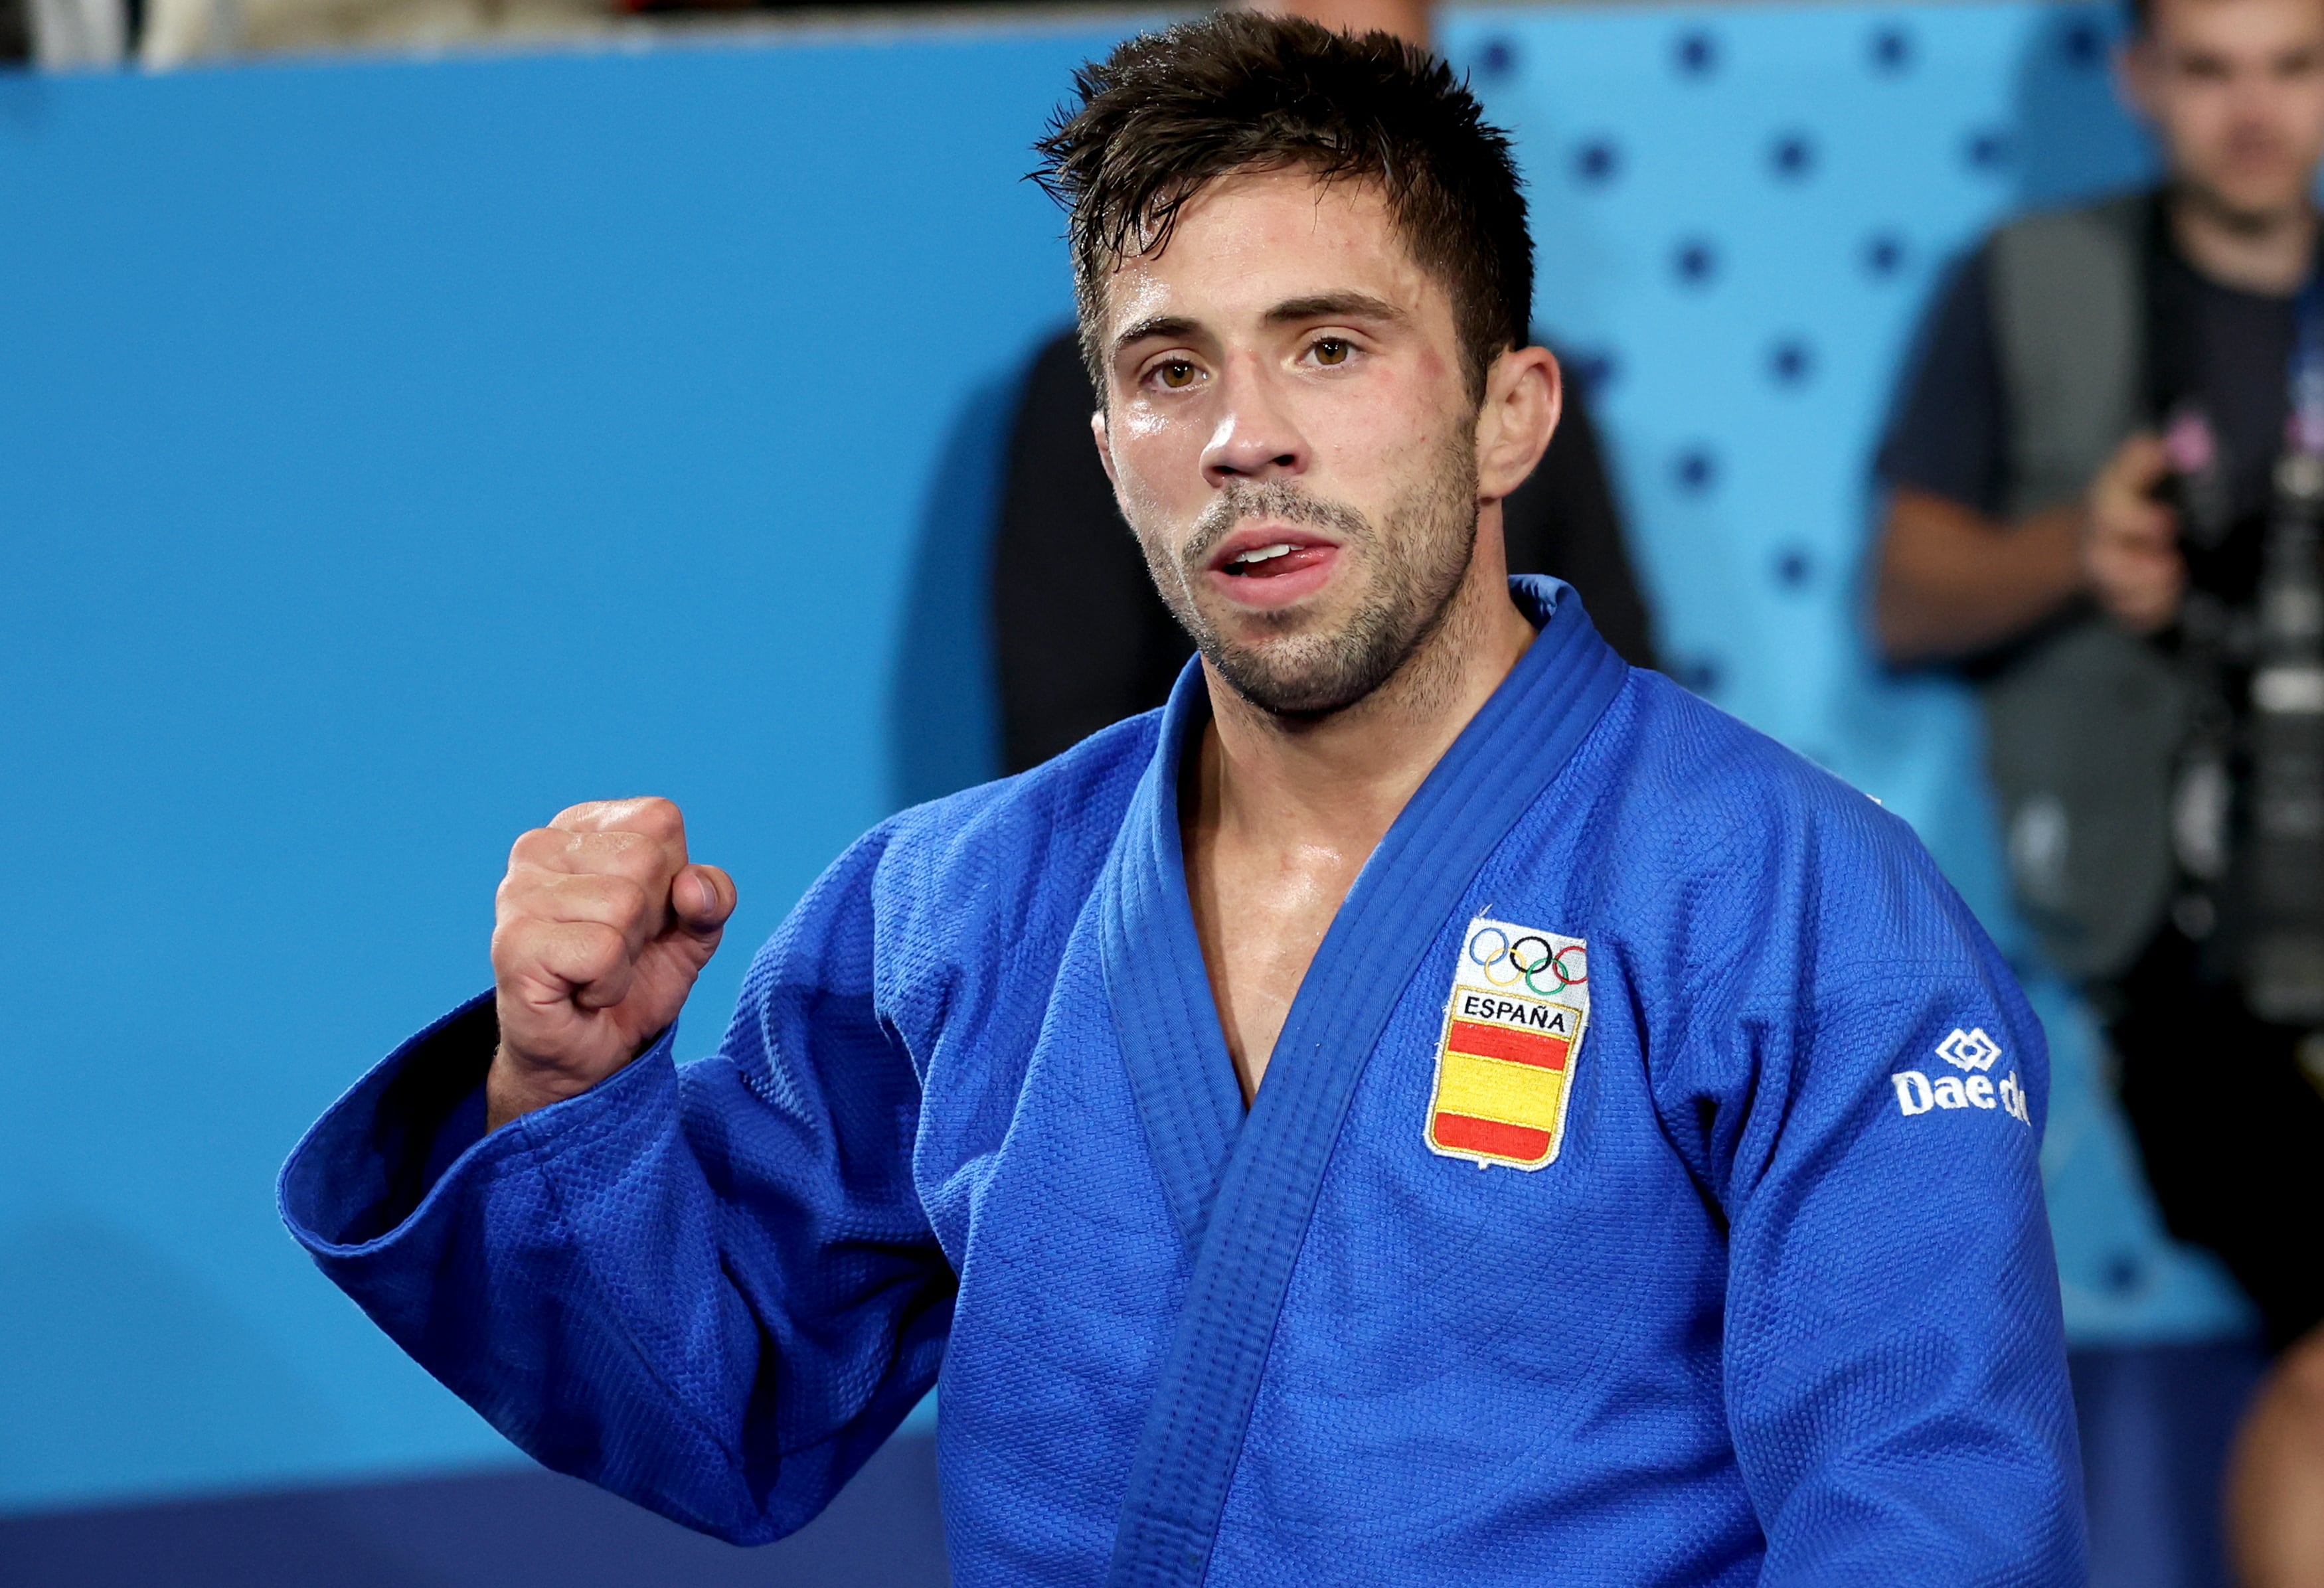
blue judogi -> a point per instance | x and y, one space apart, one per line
1781 1307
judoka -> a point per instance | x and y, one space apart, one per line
1430 1105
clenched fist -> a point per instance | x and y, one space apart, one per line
601 926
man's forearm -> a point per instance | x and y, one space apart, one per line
1952 581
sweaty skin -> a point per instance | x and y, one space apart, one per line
1282 376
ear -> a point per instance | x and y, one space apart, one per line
1525 392
1105 449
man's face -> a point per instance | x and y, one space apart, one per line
2236 90
1290 433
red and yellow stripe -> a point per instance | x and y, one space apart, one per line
1499 1090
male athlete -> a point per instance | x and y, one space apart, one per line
1431 1105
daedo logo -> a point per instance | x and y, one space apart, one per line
1512 1028
1969 1050
1974 1052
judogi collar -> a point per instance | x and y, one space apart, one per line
1244 1188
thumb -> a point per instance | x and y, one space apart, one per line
701 899
2144 461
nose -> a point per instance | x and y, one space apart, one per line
1256 437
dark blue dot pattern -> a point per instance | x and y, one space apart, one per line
1696 52
1596 369
1597 162
1745 214
1792 156
1883 255
1698 673
1695 470
1891 51
1695 261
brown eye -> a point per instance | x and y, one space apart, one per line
1178 375
1330 350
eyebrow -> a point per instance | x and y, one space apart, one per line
1175 327
1335 306
1321 305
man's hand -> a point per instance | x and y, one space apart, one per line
2130 544
601 926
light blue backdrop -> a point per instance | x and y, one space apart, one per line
391 454
1743 214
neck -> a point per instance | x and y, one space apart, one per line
2268 252
1341 780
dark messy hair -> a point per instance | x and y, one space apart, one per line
1168 111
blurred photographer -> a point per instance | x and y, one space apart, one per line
2105 483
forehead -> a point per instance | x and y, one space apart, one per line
1251 240
2237 24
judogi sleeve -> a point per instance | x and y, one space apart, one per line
1861 1087
710 1288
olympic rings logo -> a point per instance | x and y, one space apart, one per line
1528 960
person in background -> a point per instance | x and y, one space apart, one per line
2104 485
1082 639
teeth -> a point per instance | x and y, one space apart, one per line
1265 553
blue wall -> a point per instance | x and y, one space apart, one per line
389 455
393 453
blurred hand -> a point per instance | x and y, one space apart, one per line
2130 543
601 926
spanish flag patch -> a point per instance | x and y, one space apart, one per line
1512 1032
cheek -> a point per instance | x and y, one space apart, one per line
2306 110
1157 464
1379 427
1164 444
1136 422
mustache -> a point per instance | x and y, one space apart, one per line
1268 499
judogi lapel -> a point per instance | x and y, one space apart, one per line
1243 1189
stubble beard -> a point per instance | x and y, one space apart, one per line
2233 215
1417 560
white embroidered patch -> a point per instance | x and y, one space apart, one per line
1512 1031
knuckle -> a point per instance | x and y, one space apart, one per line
624 855
598 948
628 901
608 897
649 814
580 818
516 943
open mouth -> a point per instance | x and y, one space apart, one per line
1265 561
1262 555
1268 567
